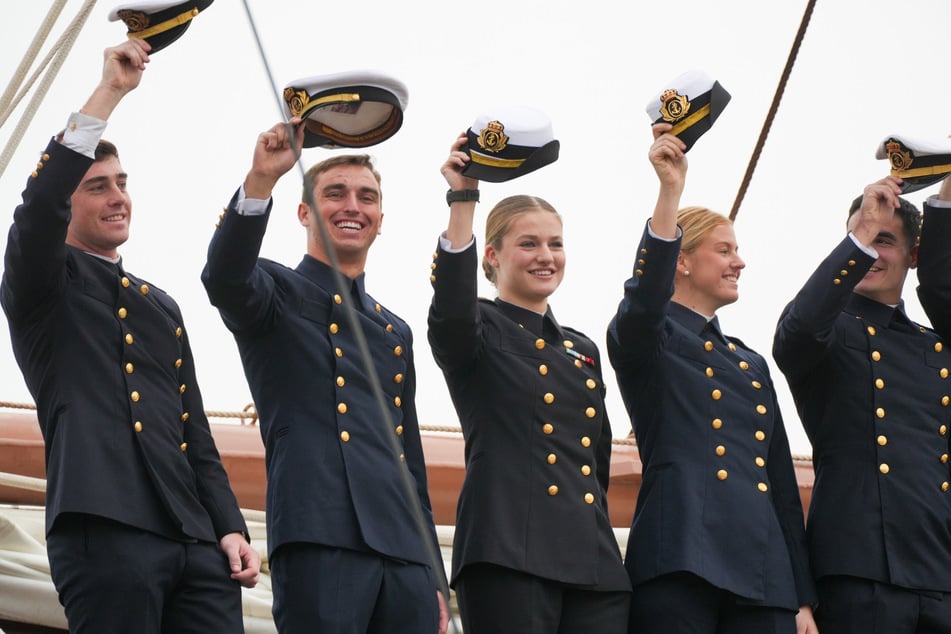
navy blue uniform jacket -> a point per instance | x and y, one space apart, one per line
333 476
872 390
107 361
538 438
719 496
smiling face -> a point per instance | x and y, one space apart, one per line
714 272
885 280
101 210
529 263
349 205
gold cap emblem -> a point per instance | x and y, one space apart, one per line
135 20
673 106
898 156
296 100
492 137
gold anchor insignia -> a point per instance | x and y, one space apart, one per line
673 106
135 20
296 100
492 138
898 156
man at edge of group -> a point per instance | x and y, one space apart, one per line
142 524
345 552
872 390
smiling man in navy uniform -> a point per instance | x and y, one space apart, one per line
347 538
872 389
142 525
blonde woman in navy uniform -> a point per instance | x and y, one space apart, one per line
533 550
717 544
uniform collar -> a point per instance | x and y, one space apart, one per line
875 312
692 320
538 325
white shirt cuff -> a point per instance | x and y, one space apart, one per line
83 133
250 206
446 245
934 201
869 250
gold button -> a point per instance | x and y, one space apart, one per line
334 329
144 289
402 457
123 313
129 339
129 368
399 430
389 327
568 343
585 441
543 369
761 409
590 412
760 462
944 373
549 398
760 436
35 174
762 487
125 282
638 272
708 346
337 299
879 383
721 450
185 417
716 394
843 272
342 408
552 458
585 470
432 278
338 352
432 266
871 330
641 262
880 412
134 396
876 355
851 262
722 474
945 486
178 363
184 446
548 428
540 344
938 347
341 381
178 332
883 468
943 430
731 346
578 363
709 372
553 490
757 385
398 351
398 401
836 281
138 426
46 156
591 383
945 400
643 251
181 388
717 423
882 440
744 365
398 378
589 498
345 436
944 458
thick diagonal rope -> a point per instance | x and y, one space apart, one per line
41 34
59 53
777 97
407 480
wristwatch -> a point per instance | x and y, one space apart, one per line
462 195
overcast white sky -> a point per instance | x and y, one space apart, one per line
867 68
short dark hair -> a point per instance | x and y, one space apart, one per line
105 149
358 160
910 218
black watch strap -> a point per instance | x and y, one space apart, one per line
462 195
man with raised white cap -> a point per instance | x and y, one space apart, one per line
144 533
350 526
873 391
